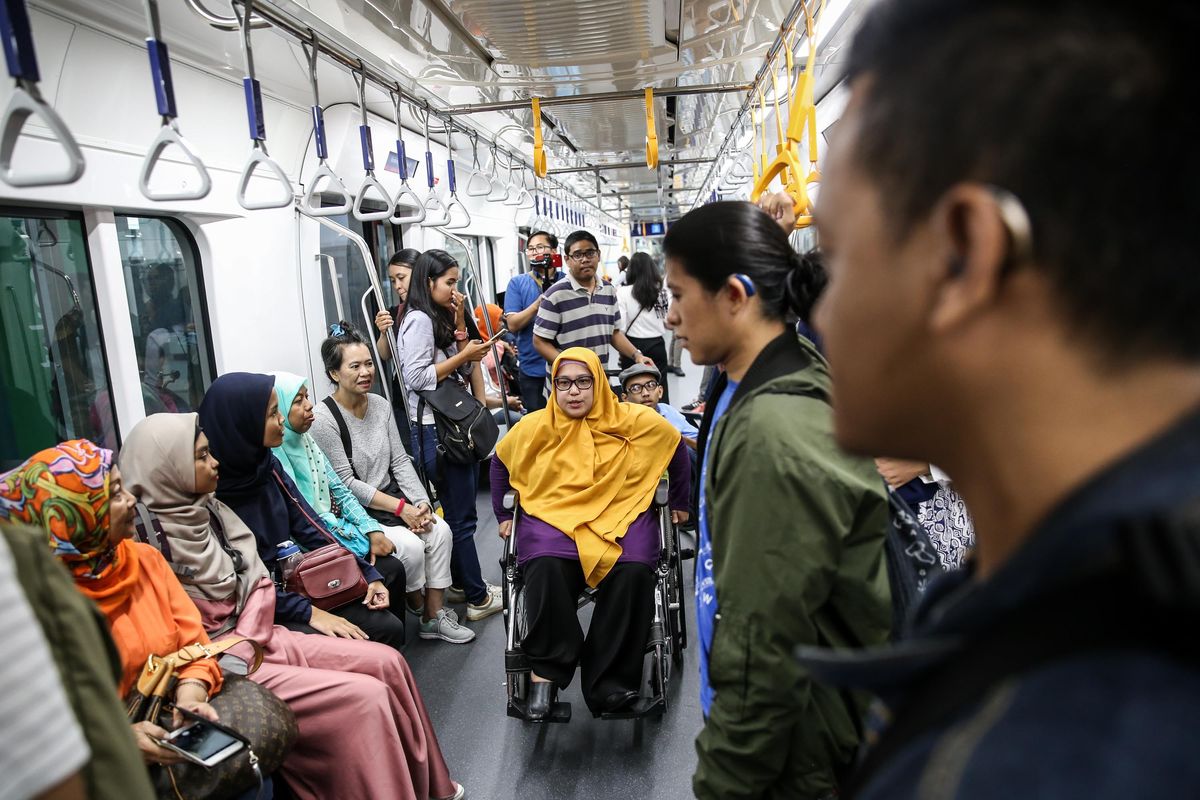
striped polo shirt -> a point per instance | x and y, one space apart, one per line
571 316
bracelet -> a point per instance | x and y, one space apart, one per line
400 506
195 681
460 335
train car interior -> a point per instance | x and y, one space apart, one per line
217 206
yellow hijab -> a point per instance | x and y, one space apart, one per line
590 478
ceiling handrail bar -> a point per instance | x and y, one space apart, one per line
27 101
258 129
168 133
324 171
366 144
406 197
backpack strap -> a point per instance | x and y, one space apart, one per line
146 521
343 431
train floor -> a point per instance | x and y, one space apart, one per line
497 757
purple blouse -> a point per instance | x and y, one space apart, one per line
537 539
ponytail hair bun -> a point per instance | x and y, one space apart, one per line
805 282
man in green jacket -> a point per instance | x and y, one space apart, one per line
792 530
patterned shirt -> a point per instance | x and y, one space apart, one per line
571 316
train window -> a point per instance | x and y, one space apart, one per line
343 279
54 382
167 312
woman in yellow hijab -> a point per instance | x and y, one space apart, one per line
586 469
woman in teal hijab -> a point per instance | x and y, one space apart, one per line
426 557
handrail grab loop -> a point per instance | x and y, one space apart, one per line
370 182
477 171
258 131
651 131
168 134
454 203
499 192
406 197
433 203
324 172
27 101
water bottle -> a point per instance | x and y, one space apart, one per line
287 557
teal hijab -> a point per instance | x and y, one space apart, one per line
302 459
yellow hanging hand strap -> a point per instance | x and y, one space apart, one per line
651 132
539 150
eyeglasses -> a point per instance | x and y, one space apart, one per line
643 388
582 383
539 248
583 255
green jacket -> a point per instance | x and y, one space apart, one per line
88 664
797 530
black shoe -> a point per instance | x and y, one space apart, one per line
619 701
677 371
541 696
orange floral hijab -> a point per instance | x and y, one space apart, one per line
65 490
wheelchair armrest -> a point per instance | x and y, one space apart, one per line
662 493
510 500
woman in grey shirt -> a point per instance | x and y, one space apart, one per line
380 475
433 348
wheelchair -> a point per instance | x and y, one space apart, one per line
668 630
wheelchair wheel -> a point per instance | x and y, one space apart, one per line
516 621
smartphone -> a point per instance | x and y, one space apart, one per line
496 335
202 743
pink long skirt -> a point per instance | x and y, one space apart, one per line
364 729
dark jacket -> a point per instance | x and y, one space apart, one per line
797 529
88 665
1108 591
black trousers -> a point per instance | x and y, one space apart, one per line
385 626
611 657
533 392
656 349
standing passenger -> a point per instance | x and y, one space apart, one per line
791 529
434 348
399 272
643 306
995 308
522 299
581 310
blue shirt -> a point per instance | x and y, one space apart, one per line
706 590
676 418
521 292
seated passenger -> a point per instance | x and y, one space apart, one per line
586 468
74 491
424 551
643 384
240 415
342 691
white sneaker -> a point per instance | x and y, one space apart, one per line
492 605
446 628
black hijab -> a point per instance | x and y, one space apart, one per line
233 416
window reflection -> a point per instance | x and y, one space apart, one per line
162 282
52 370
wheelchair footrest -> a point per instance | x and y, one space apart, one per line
644 707
559 711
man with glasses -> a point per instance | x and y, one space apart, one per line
642 384
521 301
581 310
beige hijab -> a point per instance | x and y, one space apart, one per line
159 466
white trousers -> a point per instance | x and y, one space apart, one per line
426 556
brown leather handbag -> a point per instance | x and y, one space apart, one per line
328 576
